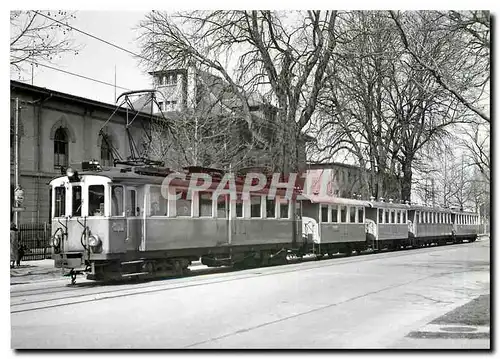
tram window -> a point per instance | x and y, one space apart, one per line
182 204
77 201
404 217
417 218
343 214
393 216
360 215
221 207
398 215
380 215
335 211
60 205
352 214
205 204
158 203
131 203
255 206
117 201
239 207
324 213
270 208
96 200
387 216
284 208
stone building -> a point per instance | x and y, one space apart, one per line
58 130
343 180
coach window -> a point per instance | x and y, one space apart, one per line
387 216
205 204
404 217
352 214
116 200
283 203
361 217
183 204
255 206
270 208
380 215
158 203
324 213
239 206
221 206
130 200
60 202
335 213
343 214
76 207
96 200
398 216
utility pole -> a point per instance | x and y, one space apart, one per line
16 159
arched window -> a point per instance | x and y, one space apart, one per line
106 150
61 148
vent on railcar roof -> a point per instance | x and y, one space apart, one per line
152 171
213 172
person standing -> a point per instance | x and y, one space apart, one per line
14 245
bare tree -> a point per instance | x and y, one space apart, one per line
39 37
469 32
382 105
281 55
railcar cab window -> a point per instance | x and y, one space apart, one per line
117 201
404 217
393 216
183 204
76 205
255 209
387 216
158 204
60 202
398 217
96 200
205 204
380 215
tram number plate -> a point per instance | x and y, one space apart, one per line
117 227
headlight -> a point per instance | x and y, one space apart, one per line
70 172
94 241
56 240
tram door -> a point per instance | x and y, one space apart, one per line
134 220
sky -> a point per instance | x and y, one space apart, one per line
96 59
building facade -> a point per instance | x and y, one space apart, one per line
57 130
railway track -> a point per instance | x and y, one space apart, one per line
40 298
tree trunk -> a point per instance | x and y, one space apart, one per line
406 181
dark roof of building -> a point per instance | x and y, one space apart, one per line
21 86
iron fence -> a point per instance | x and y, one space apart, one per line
35 237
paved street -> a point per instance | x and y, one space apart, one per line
368 301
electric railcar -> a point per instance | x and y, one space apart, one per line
115 223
